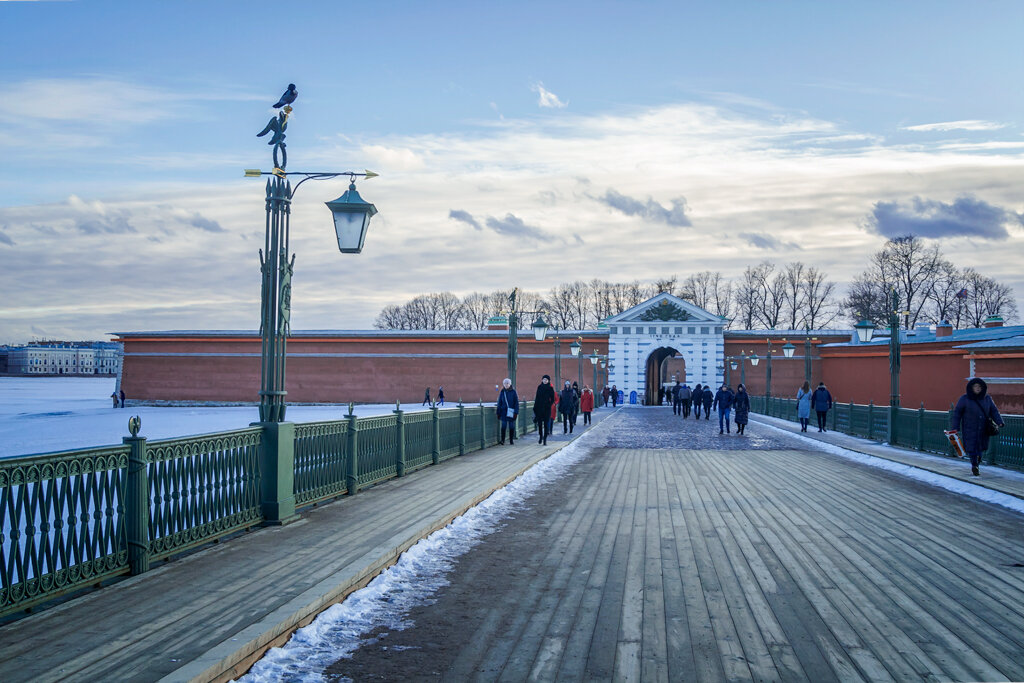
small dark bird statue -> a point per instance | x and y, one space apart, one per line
288 97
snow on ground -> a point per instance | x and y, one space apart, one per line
46 414
965 488
419 573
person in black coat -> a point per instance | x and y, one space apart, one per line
426 397
677 399
821 401
698 396
723 402
973 416
741 409
542 402
568 406
508 411
708 399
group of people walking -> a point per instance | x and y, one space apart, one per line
440 397
548 405
820 401
725 401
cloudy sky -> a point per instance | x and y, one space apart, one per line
518 144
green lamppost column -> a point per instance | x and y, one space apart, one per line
558 358
894 366
768 373
807 354
351 219
513 338
575 348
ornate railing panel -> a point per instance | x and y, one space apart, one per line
419 440
62 522
201 488
321 460
450 434
377 449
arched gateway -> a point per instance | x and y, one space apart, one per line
664 337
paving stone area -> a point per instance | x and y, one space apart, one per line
659 428
660 564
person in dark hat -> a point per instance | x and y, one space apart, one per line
542 402
976 418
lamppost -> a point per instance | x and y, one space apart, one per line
575 348
894 365
351 220
540 331
807 353
539 336
594 358
768 372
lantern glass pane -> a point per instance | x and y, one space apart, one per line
351 230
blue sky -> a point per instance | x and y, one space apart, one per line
581 139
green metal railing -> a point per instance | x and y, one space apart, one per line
72 519
919 429
62 518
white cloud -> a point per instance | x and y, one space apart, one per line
972 124
776 181
547 99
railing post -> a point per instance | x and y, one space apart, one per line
835 409
435 451
871 419
137 501
483 427
920 427
949 425
849 419
352 471
277 473
521 424
399 440
462 428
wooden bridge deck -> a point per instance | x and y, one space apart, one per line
654 564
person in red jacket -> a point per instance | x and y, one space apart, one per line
586 404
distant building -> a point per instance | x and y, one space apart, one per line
65 358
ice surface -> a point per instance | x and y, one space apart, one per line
45 414
387 600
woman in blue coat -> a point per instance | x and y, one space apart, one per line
972 417
508 411
803 405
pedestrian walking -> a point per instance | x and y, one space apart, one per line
803 405
615 396
567 406
684 397
698 399
821 401
977 419
741 409
707 399
723 402
426 397
543 400
605 393
440 396
586 404
116 398
677 399
122 398
576 391
508 411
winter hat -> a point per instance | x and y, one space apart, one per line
547 377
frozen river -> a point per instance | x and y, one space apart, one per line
46 414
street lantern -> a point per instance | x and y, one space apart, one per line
733 364
754 360
351 219
788 350
865 330
540 329
594 357
575 348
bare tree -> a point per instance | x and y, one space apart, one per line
699 289
666 286
745 294
820 305
794 294
944 300
391 317
985 297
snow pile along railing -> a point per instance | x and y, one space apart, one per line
73 519
919 429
